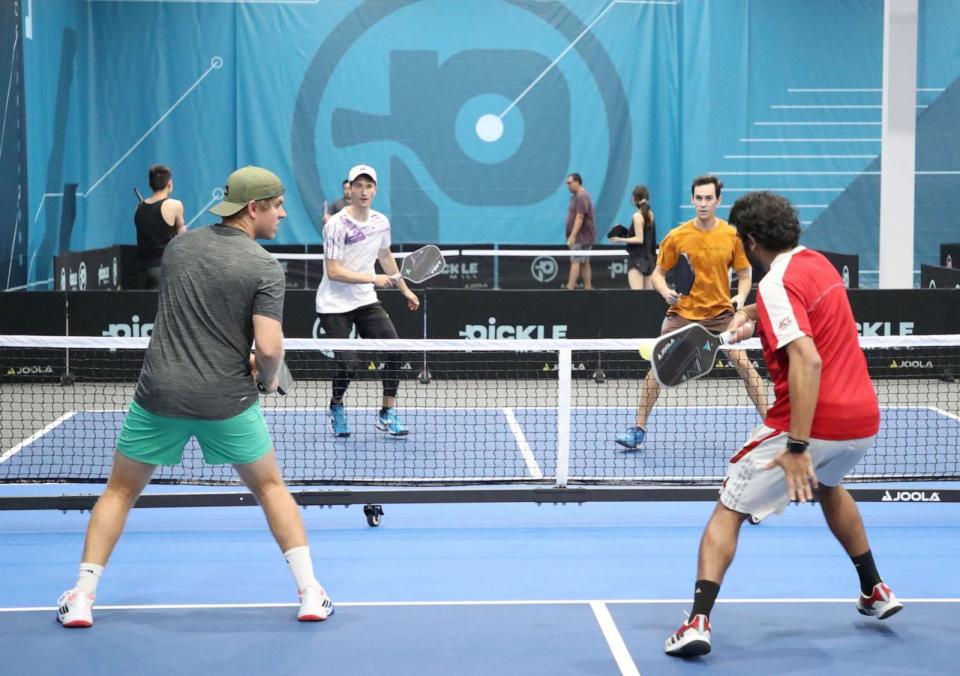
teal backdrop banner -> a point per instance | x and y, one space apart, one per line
473 113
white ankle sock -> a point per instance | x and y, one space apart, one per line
301 565
89 578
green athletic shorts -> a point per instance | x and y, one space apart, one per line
159 440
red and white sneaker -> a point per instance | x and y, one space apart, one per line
691 639
880 604
315 605
75 609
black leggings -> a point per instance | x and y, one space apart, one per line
372 321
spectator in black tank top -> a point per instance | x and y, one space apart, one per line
158 219
641 241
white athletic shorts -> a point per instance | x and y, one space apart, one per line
751 489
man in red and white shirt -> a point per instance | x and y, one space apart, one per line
824 419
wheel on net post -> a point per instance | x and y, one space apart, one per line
599 377
373 514
424 377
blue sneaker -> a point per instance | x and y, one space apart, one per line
388 423
338 420
632 438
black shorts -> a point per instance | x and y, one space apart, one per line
641 263
371 321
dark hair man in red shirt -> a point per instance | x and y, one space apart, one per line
824 419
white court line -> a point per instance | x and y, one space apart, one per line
519 602
33 437
532 466
698 407
576 40
656 481
701 407
940 411
906 407
610 632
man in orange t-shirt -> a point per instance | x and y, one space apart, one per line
713 248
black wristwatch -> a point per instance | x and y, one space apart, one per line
797 446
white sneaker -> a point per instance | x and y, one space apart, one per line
315 605
691 639
75 609
881 603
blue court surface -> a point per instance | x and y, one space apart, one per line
486 444
477 589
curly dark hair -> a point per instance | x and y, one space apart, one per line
769 218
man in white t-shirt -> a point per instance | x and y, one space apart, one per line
353 241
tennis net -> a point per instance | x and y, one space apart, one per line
478 412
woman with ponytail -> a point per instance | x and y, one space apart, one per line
641 241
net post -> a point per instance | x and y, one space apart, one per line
564 375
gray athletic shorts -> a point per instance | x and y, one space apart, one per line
750 488
580 247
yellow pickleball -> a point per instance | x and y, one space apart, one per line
646 349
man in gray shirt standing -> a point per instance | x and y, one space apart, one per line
219 290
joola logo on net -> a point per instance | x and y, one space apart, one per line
493 331
29 370
911 496
911 364
132 330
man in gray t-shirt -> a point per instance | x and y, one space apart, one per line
219 291
205 327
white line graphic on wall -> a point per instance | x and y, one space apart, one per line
6 104
215 63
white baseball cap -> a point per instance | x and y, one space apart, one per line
362 170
